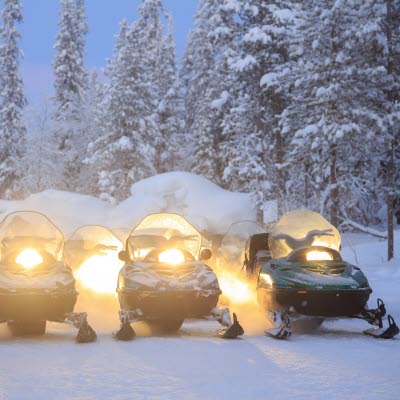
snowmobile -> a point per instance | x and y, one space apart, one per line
233 245
92 253
36 285
307 281
165 279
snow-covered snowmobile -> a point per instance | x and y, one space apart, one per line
92 253
307 281
36 285
165 279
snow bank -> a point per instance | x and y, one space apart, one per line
203 203
200 201
67 210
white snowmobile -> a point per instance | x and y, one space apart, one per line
36 285
165 280
92 253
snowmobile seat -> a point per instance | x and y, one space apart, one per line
256 253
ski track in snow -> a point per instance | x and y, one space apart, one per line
336 362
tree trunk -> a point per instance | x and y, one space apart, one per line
334 188
390 203
390 154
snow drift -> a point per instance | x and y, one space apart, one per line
203 203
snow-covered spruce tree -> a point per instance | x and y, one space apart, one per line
12 102
71 80
123 153
170 110
198 63
254 146
40 158
384 101
202 88
150 40
326 114
91 114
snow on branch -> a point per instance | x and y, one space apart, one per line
365 229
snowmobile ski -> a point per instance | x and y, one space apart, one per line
384 333
233 331
282 329
125 334
86 334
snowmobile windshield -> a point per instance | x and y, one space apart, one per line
302 228
29 238
92 253
233 244
163 231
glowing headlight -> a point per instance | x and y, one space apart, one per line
29 258
265 278
319 256
100 273
172 256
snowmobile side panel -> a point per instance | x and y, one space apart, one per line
318 302
24 306
169 304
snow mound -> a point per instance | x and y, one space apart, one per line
68 211
204 204
201 202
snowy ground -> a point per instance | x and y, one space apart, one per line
335 363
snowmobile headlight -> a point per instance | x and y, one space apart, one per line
172 256
29 258
99 273
266 279
319 256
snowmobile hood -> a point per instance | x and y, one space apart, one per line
194 275
281 273
56 277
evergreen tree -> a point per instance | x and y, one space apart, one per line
40 158
199 78
70 91
12 102
150 30
252 122
326 114
170 110
382 26
124 151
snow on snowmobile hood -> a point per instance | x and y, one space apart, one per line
148 276
302 228
58 276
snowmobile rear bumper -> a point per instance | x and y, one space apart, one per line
37 306
315 302
171 304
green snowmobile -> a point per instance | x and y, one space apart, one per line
307 281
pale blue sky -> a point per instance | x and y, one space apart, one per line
39 30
